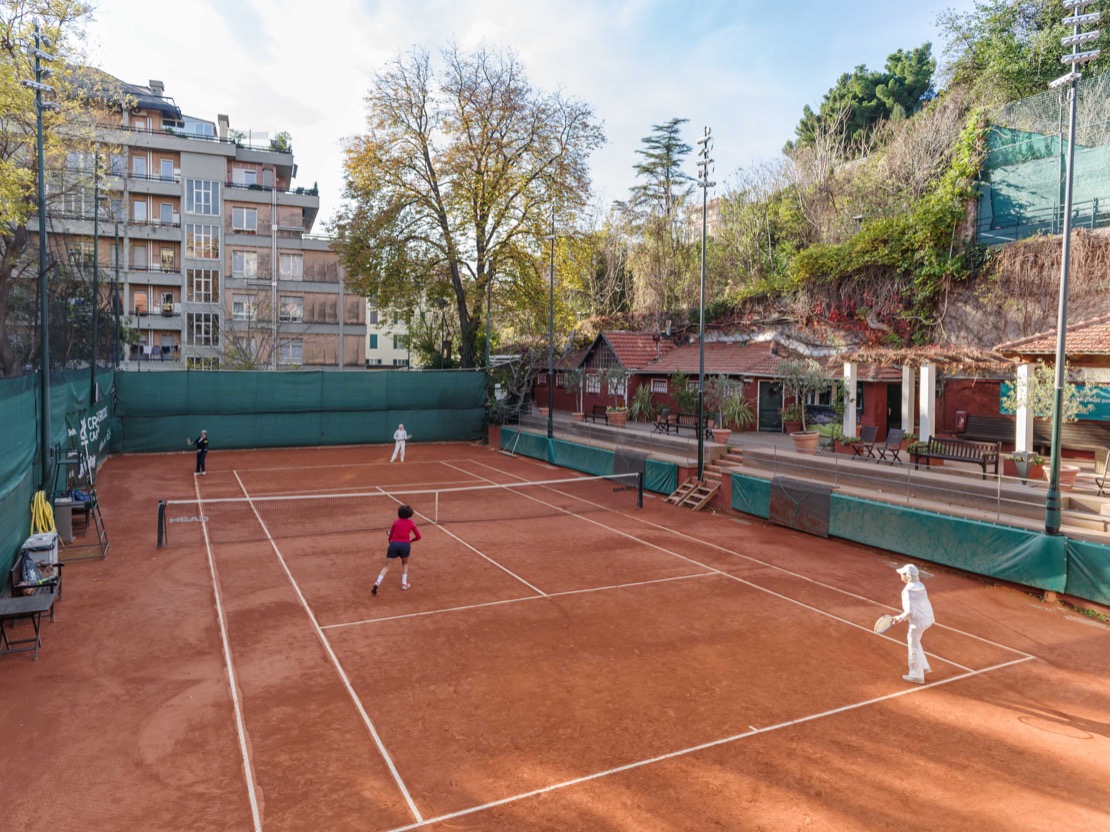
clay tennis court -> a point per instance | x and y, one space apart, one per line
583 665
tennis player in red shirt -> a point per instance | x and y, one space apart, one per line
402 534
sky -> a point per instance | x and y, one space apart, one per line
743 68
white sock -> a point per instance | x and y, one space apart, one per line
381 576
405 577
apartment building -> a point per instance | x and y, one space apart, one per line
385 339
217 265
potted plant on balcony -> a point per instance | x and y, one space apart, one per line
1025 465
616 382
575 382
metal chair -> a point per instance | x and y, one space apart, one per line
892 447
865 448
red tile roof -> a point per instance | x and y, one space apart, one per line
1084 338
754 359
635 349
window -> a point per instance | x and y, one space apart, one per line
400 362
292 309
202 362
658 385
117 165
541 380
692 386
139 303
291 351
560 379
78 202
115 210
291 266
244 219
202 285
267 178
80 253
618 388
202 329
373 362
165 213
138 211
244 264
202 242
593 383
202 197
139 258
166 169
169 263
373 342
398 342
244 176
244 307
138 165
372 317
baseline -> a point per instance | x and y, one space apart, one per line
692 749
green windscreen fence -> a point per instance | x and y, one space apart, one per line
1089 571
76 421
158 411
660 477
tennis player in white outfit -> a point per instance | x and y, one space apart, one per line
399 437
917 610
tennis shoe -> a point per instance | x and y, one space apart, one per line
915 680
405 586
374 589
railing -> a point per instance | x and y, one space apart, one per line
150 177
153 269
155 223
181 134
255 187
143 312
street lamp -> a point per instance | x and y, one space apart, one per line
42 73
705 167
1076 58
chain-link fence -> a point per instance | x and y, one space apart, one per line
1022 180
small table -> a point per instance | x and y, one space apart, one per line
24 606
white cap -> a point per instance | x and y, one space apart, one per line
910 571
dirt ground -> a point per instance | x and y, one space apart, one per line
590 666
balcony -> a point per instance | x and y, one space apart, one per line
154 269
166 310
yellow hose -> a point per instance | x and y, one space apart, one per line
42 514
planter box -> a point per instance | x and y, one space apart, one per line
805 442
844 447
618 418
579 416
1068 475
721 435
1035 472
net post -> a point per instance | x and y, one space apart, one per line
161 523
639 489
437 508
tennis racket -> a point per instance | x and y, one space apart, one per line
188 441
884 623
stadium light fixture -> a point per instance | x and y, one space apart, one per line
1078 19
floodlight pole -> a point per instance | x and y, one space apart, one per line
704 164
1070 80
551 337
95 278
117 303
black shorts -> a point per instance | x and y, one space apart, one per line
398 549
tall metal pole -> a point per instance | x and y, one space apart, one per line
96 278
45 445
117 302
1071 80
551 337
489 320
703 183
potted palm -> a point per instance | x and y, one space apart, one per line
575 382
642 408
616 382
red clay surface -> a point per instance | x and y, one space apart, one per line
601 670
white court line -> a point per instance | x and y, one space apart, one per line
513 601
684 751
468 546
361 489
346 464
240 729
334 659
777 568
725 574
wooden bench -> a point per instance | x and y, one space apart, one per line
1077 436
599 411
689 421
989 429
960 450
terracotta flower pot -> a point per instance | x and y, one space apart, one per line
618 418
1068 475
791 427
721 435
542 410
805 441
579 416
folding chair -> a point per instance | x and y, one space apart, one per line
890 450
865 448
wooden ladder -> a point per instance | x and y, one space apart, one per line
694 494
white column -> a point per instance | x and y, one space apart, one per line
928 401
850 398
909 382
1023 435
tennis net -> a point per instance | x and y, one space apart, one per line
241 519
